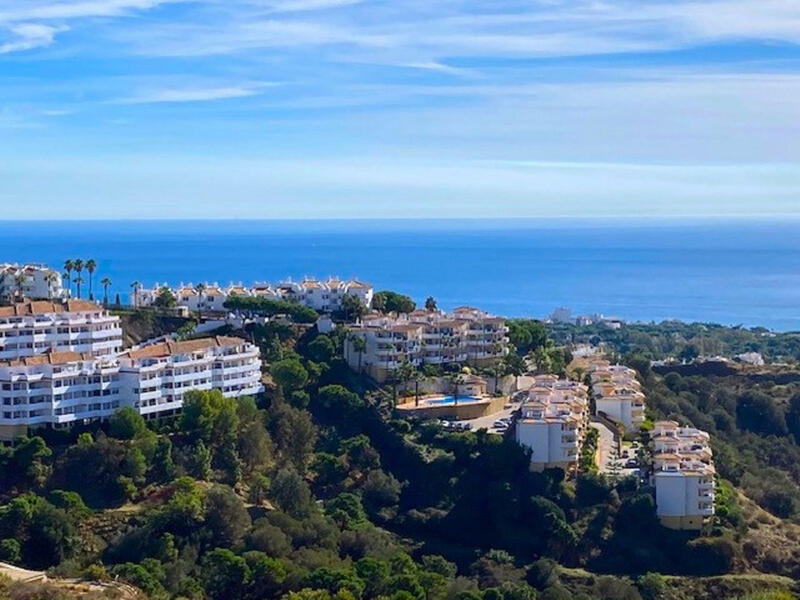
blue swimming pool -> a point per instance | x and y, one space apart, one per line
450 400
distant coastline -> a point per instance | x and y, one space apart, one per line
728 271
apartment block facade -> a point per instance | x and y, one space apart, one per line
618 394
465 336
30 281
60 363
322 295
683 475
553 421
38 326
154 378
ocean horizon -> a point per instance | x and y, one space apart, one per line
729 271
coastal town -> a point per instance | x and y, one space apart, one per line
62 362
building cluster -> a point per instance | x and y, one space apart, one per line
553 421
379 344
683 475
617 394
29 281
324 296
61 363
564 315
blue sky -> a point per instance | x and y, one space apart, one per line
399 108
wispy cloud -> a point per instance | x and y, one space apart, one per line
28 36
197 94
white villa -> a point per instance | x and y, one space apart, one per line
37 326
683 475
324 296
30 281
467 335
618 394
553 422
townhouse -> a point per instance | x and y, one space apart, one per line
617 393
683 475
57 389
553 421
465 336
37 326
30 281
324 296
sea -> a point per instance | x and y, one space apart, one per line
728 271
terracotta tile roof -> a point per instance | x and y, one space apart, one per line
169 347
47 358
41 307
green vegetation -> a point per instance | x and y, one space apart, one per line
267 307
318 490
387 301
656 341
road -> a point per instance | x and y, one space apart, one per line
487 421
606 447
18 574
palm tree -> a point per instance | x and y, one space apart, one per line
91 267
78 281
106 283
51 278
136 285
456 380
19 282
405 372
78 266
201 292
359 346
418 376
68 268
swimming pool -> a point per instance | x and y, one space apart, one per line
449 400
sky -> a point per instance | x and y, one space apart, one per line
399 108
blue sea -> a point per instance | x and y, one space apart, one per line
724 271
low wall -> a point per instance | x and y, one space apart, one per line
470 409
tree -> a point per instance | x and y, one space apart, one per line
106 283
291 493
200 288
91 267
756 411
225 574
165 298
321 349
226 518
430 304
289 374
51 278
77 266
387 301
68 268
352 307
294 434
359 347
126 424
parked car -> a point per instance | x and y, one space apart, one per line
631 463
500 425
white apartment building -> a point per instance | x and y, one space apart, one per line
323 296
37 326
57 389
617 393
155 377
467 335
30 281
683 475
553 422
